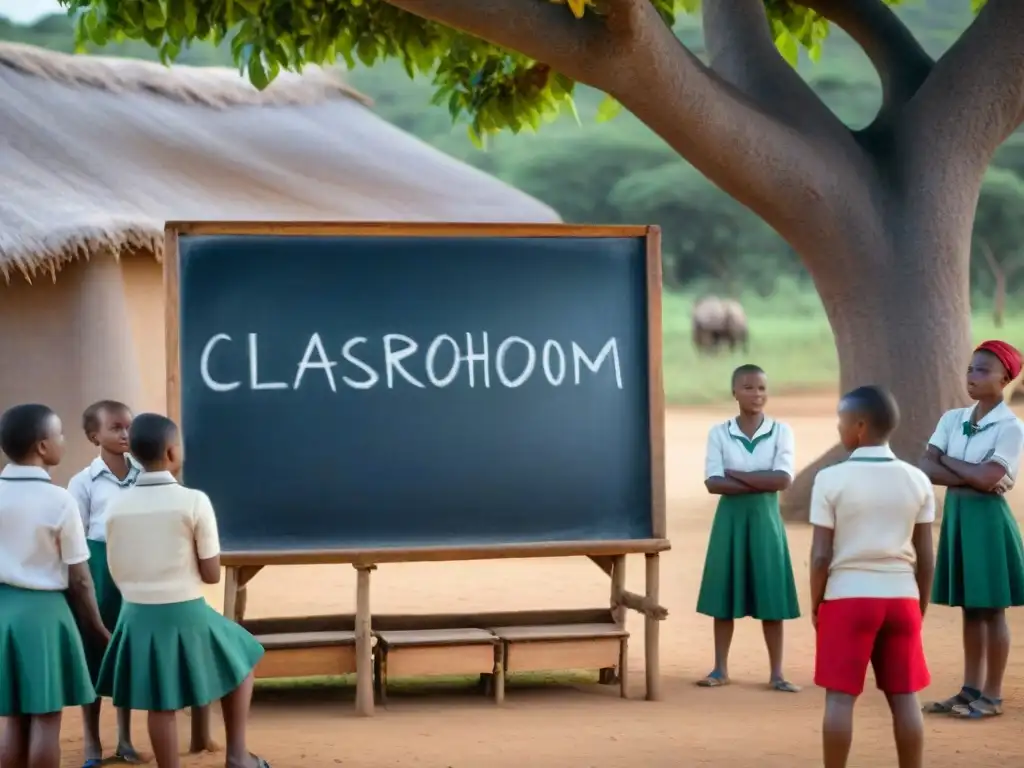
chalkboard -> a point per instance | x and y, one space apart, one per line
417 387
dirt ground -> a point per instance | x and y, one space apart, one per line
588 726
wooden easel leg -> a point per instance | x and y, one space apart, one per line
652 630
364 642
619 615
231 592
499 673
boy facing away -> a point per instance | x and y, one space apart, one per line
872 563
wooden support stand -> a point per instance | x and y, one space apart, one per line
364 642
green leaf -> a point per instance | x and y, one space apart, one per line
787 45
257 73
608 109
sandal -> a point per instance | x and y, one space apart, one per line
784 686
980 708
128 755
962 699
93 762
714 680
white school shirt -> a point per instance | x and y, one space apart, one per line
771 449
155 532
998 437
41 531
94 488
872 502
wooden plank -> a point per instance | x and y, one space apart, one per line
445 554
427 637
171 325
386 622
325 661
604 562
290 641
652 632
549 655
419 661
656 384
561 632
399 229
364 643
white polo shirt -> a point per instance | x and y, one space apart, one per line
41 531
154 533
94 488
998 437
872 502
771 448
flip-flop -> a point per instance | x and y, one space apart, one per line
962 699
784 686
261 763
93 763
713 680
128 755
980 708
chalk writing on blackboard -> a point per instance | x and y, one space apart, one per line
443 362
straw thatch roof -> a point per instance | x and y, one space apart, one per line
96 153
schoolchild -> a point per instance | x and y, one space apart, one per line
43 555
170 649
747 570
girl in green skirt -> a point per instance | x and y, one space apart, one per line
170 649
975 452
106 425
43 554
748 571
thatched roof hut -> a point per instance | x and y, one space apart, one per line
96 153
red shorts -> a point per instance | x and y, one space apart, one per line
883 631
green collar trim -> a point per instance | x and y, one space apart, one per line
749 444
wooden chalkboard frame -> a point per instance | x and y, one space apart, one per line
174 230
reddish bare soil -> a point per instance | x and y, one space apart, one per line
588 726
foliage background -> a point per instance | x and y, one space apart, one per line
617 171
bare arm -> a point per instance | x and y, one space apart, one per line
726 486
765 481
982 477
922 540
209 569
821 561
82 598
931 464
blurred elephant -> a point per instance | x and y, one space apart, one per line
718 321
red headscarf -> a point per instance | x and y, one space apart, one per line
1005 354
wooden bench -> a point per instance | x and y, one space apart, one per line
307 654
413 653
602 646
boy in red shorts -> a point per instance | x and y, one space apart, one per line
871 576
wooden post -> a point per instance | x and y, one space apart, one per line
231 592
619 615
652 631
498 676
364 642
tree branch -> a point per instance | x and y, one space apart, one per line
902 64
742 51
974 98
791 179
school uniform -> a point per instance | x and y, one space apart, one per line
170 649
94 488
872 609
748 571
980 558
42 661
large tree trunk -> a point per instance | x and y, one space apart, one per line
901 318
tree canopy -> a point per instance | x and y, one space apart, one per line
493 88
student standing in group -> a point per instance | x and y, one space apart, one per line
871 576
748 571
976 452
106 425
170 649
43 553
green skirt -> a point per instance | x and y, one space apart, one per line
108 598
173 656
748 571
42 661
980 559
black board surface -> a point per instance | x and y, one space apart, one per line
322 408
